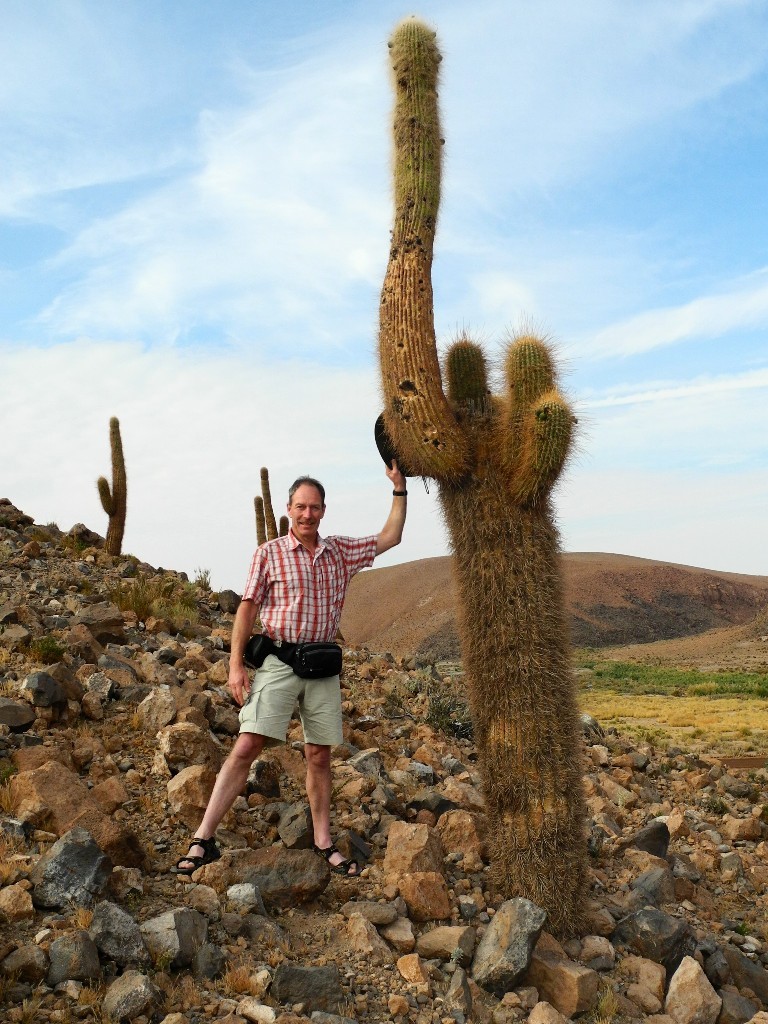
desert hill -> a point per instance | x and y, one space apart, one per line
612 600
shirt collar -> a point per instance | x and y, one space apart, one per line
294 542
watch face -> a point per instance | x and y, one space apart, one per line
386 448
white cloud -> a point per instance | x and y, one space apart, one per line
743 305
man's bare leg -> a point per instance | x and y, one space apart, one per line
230 782
319 795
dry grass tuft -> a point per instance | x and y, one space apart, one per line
239 981
82 918
7 800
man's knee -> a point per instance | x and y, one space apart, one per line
247 747
317 756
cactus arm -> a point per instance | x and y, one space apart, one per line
285 525
261 528
467 377
107 501
546 443
536 430
417 415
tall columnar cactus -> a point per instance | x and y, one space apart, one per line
495 459
266 526
115 501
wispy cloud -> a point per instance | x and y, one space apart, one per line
700 387
743 305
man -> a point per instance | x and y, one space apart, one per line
297 584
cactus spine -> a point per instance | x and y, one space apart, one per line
115 502
266 526
495 460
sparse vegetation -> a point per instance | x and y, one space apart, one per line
165 597
202 579
639 679
46 649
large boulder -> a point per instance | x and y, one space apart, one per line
74 872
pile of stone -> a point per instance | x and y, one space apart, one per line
111 752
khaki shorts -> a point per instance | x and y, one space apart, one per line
274 692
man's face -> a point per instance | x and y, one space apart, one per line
305 512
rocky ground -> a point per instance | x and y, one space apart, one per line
113 723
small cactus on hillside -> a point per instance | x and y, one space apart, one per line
266 526
495 460
115 501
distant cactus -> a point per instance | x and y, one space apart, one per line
114 502
266 527
495 460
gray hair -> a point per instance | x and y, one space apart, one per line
311 482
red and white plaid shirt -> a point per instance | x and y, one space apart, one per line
300 597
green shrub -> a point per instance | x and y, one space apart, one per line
46 649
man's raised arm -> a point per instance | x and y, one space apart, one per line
392 531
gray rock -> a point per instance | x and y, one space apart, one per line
591 729
44 690
735 1009
459 995
74 872
264 778
369 762
27 963
74 957
14 635
88 538
376 913
263 931
245 898
319 988
504 952
288 877
175 937
229 601
209 961
16 714
657 884
294 827
423 773
117 935
101 685
104 620
654 839
746 973
130 996
656 936
735 787
12 828
318 1017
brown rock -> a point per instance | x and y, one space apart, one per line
366 940
189 792
110 794
441 943
647 973
16 903
412 969
119 842
185 744
545 1013
463 831
105 622
426 895
741 828
83 644
568 986
412 848
691 998
463 794
51 794
400 935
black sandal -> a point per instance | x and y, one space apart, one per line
211 852
343 867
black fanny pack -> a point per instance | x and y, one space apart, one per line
308 661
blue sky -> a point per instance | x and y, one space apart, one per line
194 218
